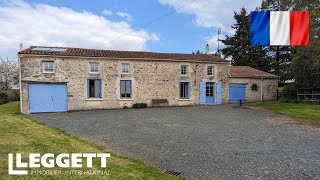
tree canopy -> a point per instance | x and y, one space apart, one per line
238 46
301 63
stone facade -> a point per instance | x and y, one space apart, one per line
151 79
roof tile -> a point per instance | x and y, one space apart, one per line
122 54
247 71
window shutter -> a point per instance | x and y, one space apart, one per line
202 92
188 90
88 88
121 88
219 93
130 89
100 88
179 90
100 95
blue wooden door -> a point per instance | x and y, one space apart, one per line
219 93
209 93
48 98
202 93
237 92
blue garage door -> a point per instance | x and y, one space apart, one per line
48 98
237 92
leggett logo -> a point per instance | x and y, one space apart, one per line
73 160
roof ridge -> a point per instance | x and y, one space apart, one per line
242 66
71 48
84 52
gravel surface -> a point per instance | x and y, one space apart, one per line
203 142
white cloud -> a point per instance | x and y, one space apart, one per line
213 13
125 15
213 41
106 12
42 24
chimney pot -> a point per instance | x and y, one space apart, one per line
21 46
207 49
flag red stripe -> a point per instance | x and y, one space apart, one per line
299 28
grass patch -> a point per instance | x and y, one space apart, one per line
305 112
19 134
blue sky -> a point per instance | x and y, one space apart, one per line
175 31
92 24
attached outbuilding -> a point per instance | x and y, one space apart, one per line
59 79
251 85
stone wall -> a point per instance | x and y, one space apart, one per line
267 88
152 79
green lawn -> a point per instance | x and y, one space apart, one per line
19 134
309 113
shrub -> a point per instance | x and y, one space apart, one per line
4 98
15 96
288 100
290 92
139 105
311 102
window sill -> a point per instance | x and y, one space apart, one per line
94 99
125 99
48 72
94 72
184 99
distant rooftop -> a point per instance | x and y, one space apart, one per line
247 71
67 51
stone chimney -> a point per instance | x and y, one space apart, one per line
21 46
207 49
218 53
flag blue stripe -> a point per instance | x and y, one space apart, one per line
260 28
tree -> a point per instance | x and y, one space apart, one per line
280 60
288 62
8 74
238 47
281 56
197 52
306 62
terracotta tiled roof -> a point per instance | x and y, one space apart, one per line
247 71
58 51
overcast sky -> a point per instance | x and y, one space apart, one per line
116 24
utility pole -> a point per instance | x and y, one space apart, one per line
278 51
218 51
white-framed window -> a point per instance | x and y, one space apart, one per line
48 67
125 68
210 70
184 70
125 89
94 88
184 90
94 67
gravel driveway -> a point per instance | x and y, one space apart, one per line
203 142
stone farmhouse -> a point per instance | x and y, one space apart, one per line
58 79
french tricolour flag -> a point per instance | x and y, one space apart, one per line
279 28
